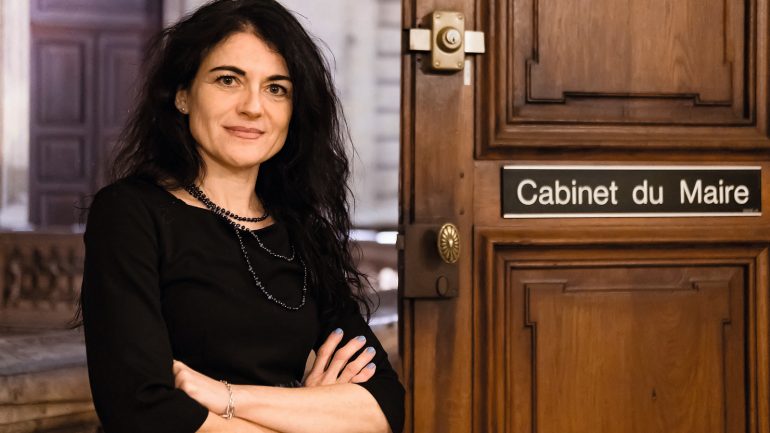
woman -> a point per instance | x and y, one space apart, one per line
220 259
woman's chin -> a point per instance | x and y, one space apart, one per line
238 161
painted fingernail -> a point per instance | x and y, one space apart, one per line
338 331
370 366
361 338
370 349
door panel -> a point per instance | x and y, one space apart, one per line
623 74
615 341
61 62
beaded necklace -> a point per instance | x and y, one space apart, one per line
203 198
229 217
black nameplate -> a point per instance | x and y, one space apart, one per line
630 191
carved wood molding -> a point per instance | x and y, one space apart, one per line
521 298
696 98
622 75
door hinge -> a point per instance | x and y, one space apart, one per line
447 40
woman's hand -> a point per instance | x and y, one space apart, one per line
325 372
209 392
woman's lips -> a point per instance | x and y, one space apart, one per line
241 132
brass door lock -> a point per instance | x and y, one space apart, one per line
430 260
447 41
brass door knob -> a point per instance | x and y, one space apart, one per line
449 243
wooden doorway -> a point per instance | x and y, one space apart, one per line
86 56
571 325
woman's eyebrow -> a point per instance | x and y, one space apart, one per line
241 72
278 78
232 69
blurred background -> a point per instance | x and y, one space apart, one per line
68 77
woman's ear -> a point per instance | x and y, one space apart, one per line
181 101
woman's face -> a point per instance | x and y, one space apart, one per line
239 103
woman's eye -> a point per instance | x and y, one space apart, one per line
227 80
277 90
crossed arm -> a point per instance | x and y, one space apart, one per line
329 402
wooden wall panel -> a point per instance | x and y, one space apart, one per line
643 74
616 339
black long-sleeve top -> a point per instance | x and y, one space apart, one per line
164 280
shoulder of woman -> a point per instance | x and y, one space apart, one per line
129 192
128 198
126 188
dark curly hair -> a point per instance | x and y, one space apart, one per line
304 185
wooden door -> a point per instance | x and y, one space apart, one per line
86 56
572 325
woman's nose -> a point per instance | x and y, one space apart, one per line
251 103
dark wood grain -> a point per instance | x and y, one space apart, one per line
601 324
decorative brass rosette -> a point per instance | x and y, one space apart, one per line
449 243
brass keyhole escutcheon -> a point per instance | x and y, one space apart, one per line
449 243
450 39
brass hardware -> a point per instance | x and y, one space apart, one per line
447 41
450 39
426 274
449 243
